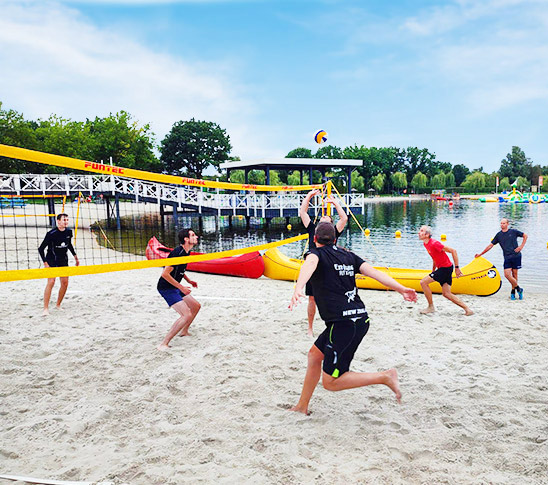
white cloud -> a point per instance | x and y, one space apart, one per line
54 60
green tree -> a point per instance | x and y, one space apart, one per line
399 180
460 171
65 137
419 181
192 146
450 179
258 177
419 160
16 131
536 171
516 164
438 181
275 178
504 184
294 178
378 181
357 181
329 151
237 177
491 180
368 168
119 136
300 153
474 182
523 183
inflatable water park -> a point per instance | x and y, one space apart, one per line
516 197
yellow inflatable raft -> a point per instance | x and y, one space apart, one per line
480 278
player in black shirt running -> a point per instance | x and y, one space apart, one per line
332 271
508 240
176 295
311 228
57 242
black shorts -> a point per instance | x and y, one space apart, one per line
57 263
339 342
308 289
443 275
513 262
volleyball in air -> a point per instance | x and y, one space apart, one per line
320 137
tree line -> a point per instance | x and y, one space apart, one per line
192 146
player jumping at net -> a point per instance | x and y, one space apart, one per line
442 271
311 228
175 294
57 242
331 271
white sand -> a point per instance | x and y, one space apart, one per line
85 395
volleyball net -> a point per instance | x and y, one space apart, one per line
114 211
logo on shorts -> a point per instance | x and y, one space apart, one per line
491 273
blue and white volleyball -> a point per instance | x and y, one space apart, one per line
321 137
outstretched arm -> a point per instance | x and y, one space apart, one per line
484 251
303 211
453 252
407 293
520 247
343 218
307 269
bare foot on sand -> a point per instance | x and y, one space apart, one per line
428 309
184 334
468 312
163 347
58 307
393 383
45 313
298 409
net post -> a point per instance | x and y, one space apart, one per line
51 210
117 205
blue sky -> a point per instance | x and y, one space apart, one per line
465 79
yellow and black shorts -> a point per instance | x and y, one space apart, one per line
339 342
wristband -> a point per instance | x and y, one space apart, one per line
457 266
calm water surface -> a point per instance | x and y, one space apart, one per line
469 226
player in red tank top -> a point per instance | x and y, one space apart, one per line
442 271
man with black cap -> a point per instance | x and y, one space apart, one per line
332 273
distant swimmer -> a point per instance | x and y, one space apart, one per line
57 242
176 295
508 240
332 272
442 271
311 227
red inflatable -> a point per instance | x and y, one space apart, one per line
250 265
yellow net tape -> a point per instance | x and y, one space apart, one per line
73 163
33 274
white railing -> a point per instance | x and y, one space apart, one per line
163 193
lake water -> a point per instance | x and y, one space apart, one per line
469 226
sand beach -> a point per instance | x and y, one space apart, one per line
86 396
